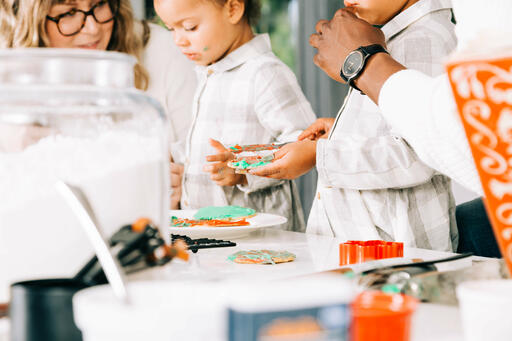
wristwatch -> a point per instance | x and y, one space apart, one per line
355 62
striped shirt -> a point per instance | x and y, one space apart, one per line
248 97
372 185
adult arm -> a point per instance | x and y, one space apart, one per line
336 38
433 128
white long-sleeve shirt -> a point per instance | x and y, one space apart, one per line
434 128
372 185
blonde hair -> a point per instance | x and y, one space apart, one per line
7 22
31 32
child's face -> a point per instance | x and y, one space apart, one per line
378 12
202 29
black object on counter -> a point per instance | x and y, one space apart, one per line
135 249
202 243
42 310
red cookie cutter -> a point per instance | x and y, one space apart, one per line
356 251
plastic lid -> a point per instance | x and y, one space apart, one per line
373 303
47 66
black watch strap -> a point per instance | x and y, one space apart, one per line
367 52
370 50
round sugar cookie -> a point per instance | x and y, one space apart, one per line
262 257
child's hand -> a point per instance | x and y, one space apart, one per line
318 130
219 171
176 172
291 161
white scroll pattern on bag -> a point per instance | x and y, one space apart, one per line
497 89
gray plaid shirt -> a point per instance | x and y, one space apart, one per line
248 97
371 183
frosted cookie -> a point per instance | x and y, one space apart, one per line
255 147
262 257
184 222
243 165
224 212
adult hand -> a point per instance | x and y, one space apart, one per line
219 171
291 161
336 38
318 130
176 177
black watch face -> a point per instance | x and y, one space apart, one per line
353 64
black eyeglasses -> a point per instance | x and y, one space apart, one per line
72 22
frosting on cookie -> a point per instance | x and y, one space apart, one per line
244 164
262 257
184 222
254 147
223 212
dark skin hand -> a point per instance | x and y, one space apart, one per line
318 130
336 38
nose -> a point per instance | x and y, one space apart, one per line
180 39
91 26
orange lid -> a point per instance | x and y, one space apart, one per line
376 303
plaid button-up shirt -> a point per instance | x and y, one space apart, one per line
248 97
371 183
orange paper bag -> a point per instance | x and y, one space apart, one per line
482 88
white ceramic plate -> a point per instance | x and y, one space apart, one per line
218 232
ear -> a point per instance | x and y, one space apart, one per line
235 10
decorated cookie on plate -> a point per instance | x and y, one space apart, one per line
262 257
220 216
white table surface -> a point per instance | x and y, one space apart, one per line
314 254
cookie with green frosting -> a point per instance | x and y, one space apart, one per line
224 212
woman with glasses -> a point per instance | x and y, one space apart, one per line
161 69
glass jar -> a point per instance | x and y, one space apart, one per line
73 115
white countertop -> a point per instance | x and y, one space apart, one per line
314 254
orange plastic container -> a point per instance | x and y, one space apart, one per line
356 251
482 88
377 316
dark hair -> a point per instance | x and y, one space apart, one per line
252 10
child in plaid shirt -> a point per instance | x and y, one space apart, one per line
246 95
371 183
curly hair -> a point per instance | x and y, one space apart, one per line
31 31
252 10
